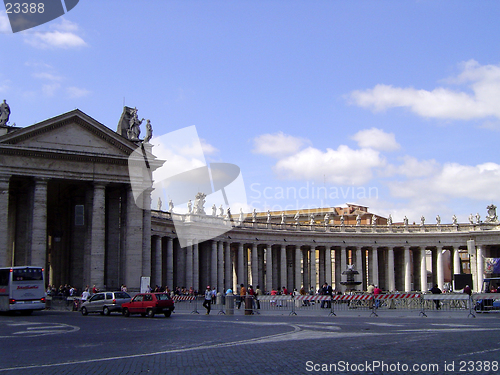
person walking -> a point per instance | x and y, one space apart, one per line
436 290
207 303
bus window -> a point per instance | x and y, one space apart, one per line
4 277
27 274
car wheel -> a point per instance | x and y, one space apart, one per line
106 311
151 313
168 313
84 311
125 312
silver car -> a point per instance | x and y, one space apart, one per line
105 303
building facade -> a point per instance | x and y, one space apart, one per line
67 204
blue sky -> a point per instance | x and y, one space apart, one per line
394 101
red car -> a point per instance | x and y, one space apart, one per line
149 304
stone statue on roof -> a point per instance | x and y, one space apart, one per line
149 132
492 214
170 206
4 113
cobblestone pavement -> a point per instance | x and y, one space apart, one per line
69 343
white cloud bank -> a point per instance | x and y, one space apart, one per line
442 102
63 35
419 186
4 23
277 145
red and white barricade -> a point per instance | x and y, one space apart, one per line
183 298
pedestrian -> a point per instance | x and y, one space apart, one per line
369 290
376 292
436 290
243 293
85 295
214 296
207 303
467 290
305 302
258 292
251 292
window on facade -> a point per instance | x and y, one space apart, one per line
79 214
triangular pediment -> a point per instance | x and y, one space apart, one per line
72 132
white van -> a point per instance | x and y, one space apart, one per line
22 289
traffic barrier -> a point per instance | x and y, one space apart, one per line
485 302
415 301
379 298
446 302
190 299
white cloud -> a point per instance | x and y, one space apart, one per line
50 89
63 36
4 24
47 76
76 92
207 148
442 103
452 180
376 139
278 145
413 168
343 166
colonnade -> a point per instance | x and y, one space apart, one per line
225 264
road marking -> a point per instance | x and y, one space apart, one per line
33 329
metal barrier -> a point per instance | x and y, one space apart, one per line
294 305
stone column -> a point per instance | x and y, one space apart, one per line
220 267
158 262
170 263
213 265
113 241
189 264
343 264
146 233
39 227
228 267
440 270
283 275
241 265
359 266
196 266
407 269
390 269
4 222
423 270
133 244
480 267
298 266
328 265
375 266
312 261
269 268
456 264
255 265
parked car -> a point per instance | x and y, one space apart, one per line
149 304
105 303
